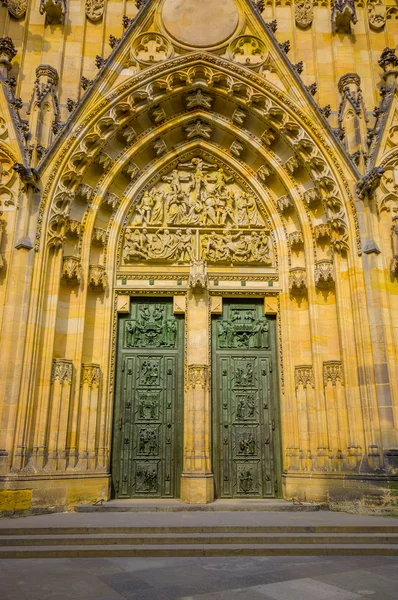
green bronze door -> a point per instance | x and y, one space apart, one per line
246 448
146 455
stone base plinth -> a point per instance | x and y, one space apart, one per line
197 489
342 491
42 493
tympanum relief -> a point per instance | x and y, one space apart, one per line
197 211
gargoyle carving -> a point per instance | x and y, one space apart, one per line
54 10
343 14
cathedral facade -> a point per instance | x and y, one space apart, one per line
198 251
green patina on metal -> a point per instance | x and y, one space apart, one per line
246 433
147 436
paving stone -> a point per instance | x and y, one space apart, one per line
305 589
367 583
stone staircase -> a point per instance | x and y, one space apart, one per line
67 541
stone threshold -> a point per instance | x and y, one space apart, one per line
175 505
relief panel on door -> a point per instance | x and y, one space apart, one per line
245 439
148 404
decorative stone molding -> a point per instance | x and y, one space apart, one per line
264 172
131 170
71 270
104 160
128 133
322 231
247 50
110 201
285 203
62 370
45 83
98 237
28 176
239 116
297 280
54 10
2 227
74 228
7 53
311 197
198 278
343 14
324 273
91 375
100 61
97 277
157 115
388 59
71 104
159 147
304 375
198 99
269 137
197 376
150 48
85 192
368 184
332 371
94 9
292 164
296 239
237 148
17 8
198 128
304 14
85 82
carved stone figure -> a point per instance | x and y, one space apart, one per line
343 14
377 14
94 9
17 8
304 14
197 194
235 248
54 10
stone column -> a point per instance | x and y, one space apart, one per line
197 480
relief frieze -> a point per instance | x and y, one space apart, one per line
197 211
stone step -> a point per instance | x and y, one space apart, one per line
192 539
172 505
201 529
201 550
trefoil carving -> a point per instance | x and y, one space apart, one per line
324 273
71 270
97 277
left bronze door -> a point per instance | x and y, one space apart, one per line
146 450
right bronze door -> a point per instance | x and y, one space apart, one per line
246 436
